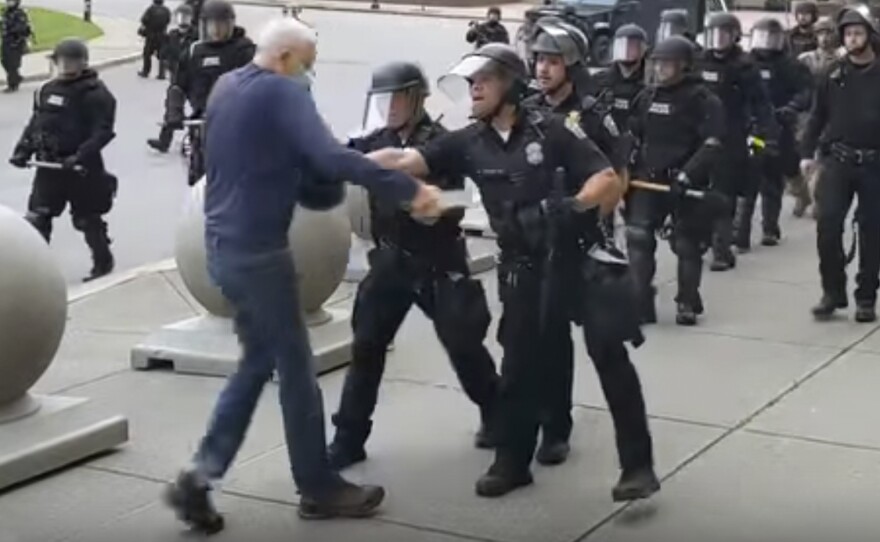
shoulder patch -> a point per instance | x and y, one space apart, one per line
573 124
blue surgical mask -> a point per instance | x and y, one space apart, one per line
304 79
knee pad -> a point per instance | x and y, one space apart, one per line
88 223
41 222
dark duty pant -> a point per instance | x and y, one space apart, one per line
153 46
532 359
646 213
452 300
733 178
771 171
11 60
838 184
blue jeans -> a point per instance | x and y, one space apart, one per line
262 287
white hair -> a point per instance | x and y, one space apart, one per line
280 35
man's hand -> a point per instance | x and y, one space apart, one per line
807 166
70 162
426 203
680 185
19 160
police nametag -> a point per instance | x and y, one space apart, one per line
621 103
712 77
534 153
765 74
55 99
611 126
660 109
573 123
210 61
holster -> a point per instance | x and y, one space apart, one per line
608 302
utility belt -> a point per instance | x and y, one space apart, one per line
451 258
845 154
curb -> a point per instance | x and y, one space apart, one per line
382 11
83 291
109 63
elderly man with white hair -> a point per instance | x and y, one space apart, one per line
267 150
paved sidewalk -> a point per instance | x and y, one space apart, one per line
763 420
512 12
119 44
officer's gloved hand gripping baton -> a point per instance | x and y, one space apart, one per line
54 165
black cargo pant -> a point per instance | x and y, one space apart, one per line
153 46
771 171
733 178
534 356
454 302
11 56
90 196
838 184
646 213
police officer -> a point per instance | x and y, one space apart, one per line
678 125
819 61
73 119
843 127
732 76
675 22
223 47
489 31
541 180
802 37
15 32
412 263
559 53
620 83
154 27
180 39
790 87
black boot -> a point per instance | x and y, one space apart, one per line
770 239
99 243
487 436
686 315
635 485
500 480
190 499
553 451
648 307
163 142
722 261
349 501
865 313
828 304
723 258
742 224
347 447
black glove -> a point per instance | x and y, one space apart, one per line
558 210
680 185
19 160
70 162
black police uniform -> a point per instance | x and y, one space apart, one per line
177 46
73 120
538 286
790 87
802 39
15 32
154 27
425 265
671 125
735 79
487 32
843 126
619 91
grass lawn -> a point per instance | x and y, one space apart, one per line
50 27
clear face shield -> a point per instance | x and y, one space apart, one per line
719 38
66 67
765 40
391 109
475 84
667 30
217 30
627 50
182 18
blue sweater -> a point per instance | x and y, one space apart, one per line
264 138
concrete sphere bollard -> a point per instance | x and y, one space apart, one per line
33 313
319 241
357 200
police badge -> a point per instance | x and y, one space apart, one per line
534 153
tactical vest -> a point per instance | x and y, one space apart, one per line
208 61
723 77
670 129
61 122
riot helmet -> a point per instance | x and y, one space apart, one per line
493 14
494 72
559 51
217 20
673 22
70 57
806 13
13 3
856 16
723 31
396 96
183 16
671 60
629 45
768 34
158 2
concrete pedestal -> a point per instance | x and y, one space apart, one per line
207 345
476 223
62 431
